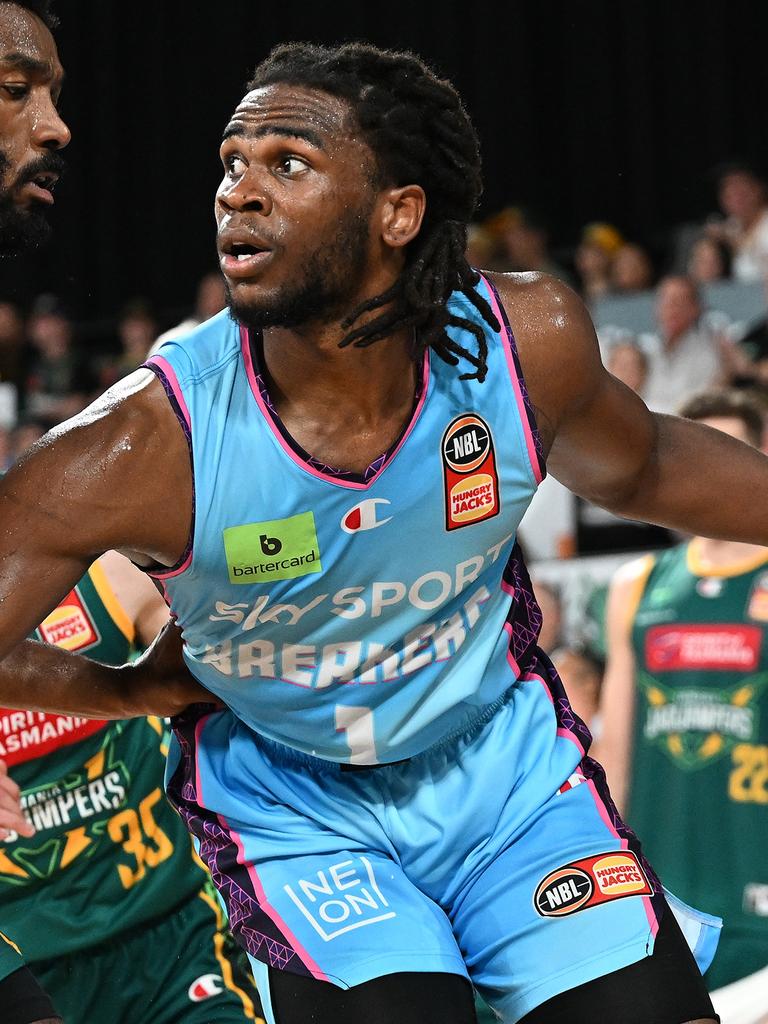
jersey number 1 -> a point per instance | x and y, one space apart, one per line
357 723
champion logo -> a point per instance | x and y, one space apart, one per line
206 986
363 516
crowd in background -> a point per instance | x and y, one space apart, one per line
669 324
659 330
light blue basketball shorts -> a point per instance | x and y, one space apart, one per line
497 855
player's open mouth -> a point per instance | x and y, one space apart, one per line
41 187
241 259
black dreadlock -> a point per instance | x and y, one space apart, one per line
419 132
42 8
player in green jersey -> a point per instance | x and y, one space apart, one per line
31 134
106 899
685 716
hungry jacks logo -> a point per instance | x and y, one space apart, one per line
278 549
469 472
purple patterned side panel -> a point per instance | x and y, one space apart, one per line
255 931
594 771
524 614
525 621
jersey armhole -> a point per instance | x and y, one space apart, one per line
166 374
533 442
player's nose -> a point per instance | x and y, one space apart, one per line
245 194
49 131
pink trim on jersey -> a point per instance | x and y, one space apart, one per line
353 484
507 627
650 913
533 457
258 888
170 375
160 576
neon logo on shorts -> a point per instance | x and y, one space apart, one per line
341 898
589 883
277 549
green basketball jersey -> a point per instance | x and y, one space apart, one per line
699 775
109 852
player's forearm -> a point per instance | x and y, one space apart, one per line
700 481
38 677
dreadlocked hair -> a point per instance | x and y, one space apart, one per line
42 8
419 133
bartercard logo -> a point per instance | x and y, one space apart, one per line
279 549
363 516
341 898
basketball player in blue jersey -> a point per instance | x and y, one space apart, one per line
31 134
391 790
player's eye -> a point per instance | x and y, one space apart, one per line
235 165
16 92
291 165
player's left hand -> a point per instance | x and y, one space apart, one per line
11 816
160 681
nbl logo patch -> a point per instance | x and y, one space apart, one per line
589 883
469 472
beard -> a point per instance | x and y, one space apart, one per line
22 229
331 277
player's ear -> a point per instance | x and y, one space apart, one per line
402 214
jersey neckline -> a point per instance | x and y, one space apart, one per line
736 568
253 359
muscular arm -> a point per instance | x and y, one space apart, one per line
606 446
118 476
617 700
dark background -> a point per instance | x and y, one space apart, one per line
598 109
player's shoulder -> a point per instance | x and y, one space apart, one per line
192 349
632 576
533 293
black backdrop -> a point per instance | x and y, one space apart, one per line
608 109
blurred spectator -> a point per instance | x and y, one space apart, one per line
137 330
211 296
709 260
581 670
598 531
481 247
599 243
742 198
523 242
747 359
24 436
548 600
684 355
685 706
627 362
631 269
11 344
210 299
57 381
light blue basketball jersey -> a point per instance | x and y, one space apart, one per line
356 619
